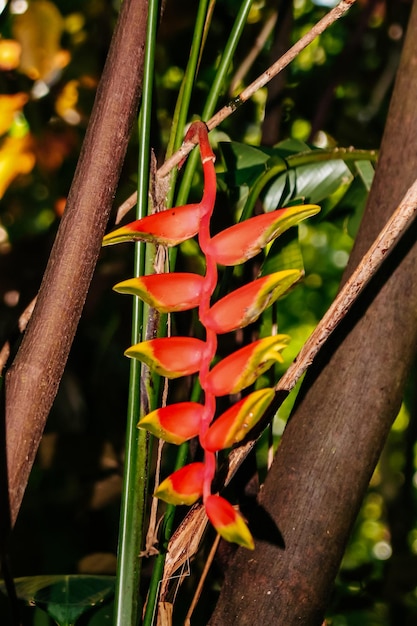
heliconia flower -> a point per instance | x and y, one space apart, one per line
243 367
185 486
175 423
228 522
176 291
167 228
242 241
244 305
170 356
236 422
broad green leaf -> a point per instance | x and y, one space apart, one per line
243 163
319 180
64 598
280 191
291 146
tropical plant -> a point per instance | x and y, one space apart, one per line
233 340
180 356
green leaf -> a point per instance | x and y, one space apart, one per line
283 254
280 191
64 598
243 163
319 180
292 146
366 171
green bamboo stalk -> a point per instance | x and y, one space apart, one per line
131 531
184 97
166 532
214 92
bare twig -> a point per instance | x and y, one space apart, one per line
262 80
197 594
371 262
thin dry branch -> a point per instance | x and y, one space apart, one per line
179 547
262 80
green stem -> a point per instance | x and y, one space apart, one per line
183 103
131 532
166 533
215 91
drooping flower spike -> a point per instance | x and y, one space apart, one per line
181 356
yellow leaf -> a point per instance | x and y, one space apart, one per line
39 31
10 51
9 106
16 157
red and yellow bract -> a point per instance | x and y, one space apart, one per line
181 356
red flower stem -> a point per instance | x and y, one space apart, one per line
210 282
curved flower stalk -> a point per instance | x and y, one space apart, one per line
180 356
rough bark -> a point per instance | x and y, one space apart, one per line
348 402
33 379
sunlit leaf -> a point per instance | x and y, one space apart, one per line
10 51
9 106
16 157
317 181
39 31
366 171
66 102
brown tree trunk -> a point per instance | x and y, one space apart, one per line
33 379
348 402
